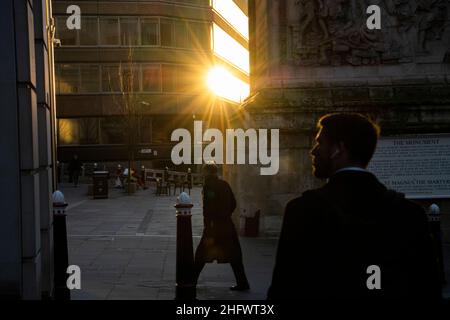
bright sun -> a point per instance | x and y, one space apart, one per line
226 85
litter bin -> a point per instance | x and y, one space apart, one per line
100 184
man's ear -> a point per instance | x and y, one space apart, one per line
335 153
339 149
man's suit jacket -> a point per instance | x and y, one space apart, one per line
331 235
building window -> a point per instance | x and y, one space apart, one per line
88 130
78 131
151 78
116 78
167 33
130 78
181 37
229 49
145 130
89 31
233 14
149 32
199 36
69 78
110 79
112 130
90 78
109 31
168 78
68 132
129 33
162 127
68 37
184 81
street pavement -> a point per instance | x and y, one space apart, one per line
125 248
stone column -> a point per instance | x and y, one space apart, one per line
25 126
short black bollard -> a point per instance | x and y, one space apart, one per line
185 286
434 221
61 255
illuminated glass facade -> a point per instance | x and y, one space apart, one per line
188 57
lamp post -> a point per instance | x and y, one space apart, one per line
185 287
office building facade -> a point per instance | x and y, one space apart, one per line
168 57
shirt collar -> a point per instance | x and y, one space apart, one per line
352 169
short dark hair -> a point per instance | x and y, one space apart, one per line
210 169
358 133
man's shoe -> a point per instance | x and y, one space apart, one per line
240 288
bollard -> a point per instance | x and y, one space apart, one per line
434 221
61 256
185 287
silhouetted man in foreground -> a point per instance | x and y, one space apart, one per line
219 240
331 236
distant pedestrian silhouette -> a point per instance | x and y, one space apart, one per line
332 235
74 169
219 240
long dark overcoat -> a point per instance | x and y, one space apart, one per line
219 240
331 235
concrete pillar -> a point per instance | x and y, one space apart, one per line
25 129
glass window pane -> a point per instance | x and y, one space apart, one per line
151 79
112 130
166 33
199 36
230 49
88 130
67 37
69 80
149 32
110 79
145 132
130 78
109 31
89 31
68 131
168 78
90 80
183 80
129 31
180 34
162 128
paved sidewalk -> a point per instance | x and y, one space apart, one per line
125 247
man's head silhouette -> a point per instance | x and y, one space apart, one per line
209 169
343 140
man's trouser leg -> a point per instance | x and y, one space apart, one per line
198 267
239 273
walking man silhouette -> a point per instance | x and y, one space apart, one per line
219 240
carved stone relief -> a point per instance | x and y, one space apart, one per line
334 32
